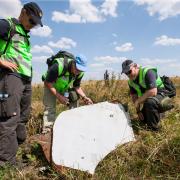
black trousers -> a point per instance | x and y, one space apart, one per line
14 113
151 111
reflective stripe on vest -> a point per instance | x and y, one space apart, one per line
63 84
18 50
142 74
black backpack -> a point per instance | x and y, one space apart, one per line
61 54
12 32
170 89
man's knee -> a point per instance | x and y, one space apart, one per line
150 103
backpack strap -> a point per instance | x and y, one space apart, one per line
11 33
65 68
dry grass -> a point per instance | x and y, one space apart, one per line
152 156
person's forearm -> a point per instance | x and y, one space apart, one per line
134 98
80 91
147 94
60 97
51 88
86 99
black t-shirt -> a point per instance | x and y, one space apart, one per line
4 31
52 76
150 81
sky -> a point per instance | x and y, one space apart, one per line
107 32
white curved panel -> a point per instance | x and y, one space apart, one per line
83 136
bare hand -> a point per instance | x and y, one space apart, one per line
140 116
9 65
62 99
87 100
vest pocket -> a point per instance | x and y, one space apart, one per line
8 106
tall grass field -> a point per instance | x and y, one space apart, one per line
154 155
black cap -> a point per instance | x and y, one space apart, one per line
126 65
35 12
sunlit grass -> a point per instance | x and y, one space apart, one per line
151 156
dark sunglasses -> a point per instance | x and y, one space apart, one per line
129 72
32 22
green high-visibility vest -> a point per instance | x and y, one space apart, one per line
142 74
65 81
18 49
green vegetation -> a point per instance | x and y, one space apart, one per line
154 155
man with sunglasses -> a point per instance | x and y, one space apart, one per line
147 91
62 82
15 79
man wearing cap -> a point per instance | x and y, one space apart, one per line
147 90
15 79
62 81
